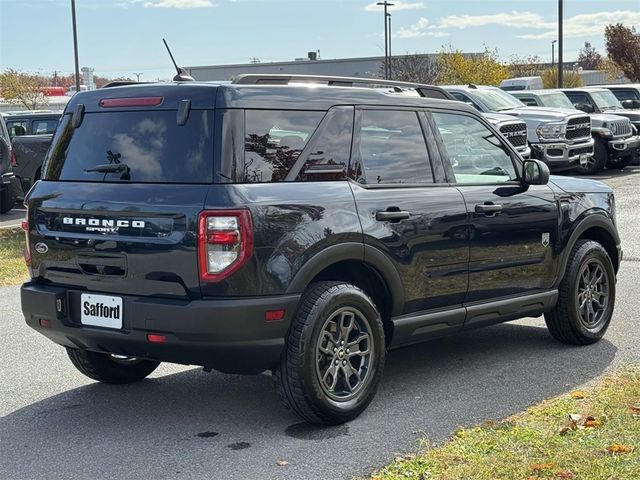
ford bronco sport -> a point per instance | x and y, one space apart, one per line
303 229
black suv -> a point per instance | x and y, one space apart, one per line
303 229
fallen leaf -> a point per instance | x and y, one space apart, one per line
564 474
591 422
538 467
619 448
635 409
282 463
577 394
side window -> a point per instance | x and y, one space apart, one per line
463 98
626 95
393 148
273 141
475 153
330 151
577 98
17 128
41 127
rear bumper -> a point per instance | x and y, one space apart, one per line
562 156
229 335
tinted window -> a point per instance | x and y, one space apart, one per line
626 95
150 145
577 98
41 127
393 149
475 153
530 101
17 128
273 142
329 155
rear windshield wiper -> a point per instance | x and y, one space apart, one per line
108 168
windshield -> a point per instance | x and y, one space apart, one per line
605 100
558 100
497 100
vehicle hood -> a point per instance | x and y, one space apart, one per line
633 115
543 113
579 185
497 118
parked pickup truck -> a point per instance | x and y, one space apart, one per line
29 152
559 138
615 138
513 129
628 94
40 122
9 186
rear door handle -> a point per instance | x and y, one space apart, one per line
392 215
489 209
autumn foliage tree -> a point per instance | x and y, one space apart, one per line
23 88
569 79
623 48
455 67
412 68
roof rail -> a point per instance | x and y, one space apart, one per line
429 91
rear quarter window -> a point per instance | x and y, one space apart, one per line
153 147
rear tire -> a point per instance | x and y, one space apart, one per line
597 162
621 162
586 296
106 369
334 355
8 198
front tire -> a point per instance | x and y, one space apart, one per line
587 296
334 356
621 162
596 162
108 369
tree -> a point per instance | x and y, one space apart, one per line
613 71
569 79
23 88
589 58
623 48
455 67
412 68
525 66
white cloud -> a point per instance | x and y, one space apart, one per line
587 24
179 4
584 25
397 5
420 29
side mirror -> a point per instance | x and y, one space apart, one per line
535 172
585 107
631 104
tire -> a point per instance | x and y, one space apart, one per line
8 198
106 369
308 379
621 162
566 323
597 162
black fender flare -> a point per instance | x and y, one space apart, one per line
597 220
368 255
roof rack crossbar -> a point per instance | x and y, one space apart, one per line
423 90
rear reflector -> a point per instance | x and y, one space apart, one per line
156 338
273 315
131 102
45 323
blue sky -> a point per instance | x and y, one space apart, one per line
119 37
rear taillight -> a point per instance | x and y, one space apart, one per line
24 225
225 242
12 158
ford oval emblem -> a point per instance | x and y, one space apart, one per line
41 247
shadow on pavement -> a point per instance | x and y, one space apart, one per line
194 422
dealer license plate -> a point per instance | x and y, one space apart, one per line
101 310
584 159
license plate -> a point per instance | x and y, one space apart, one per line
584 159
101 310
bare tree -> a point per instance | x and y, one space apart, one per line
525 66
589 58
412 68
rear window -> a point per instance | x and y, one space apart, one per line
150 146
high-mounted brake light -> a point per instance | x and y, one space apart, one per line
131 102
225 242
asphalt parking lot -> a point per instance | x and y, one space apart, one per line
184 423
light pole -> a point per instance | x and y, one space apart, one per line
137 76
553 53
560 44
386 4
75 43
389 54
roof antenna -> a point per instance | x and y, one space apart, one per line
182 75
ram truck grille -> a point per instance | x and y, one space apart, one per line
516 133
578 128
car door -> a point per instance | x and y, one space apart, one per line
407 212
512 227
